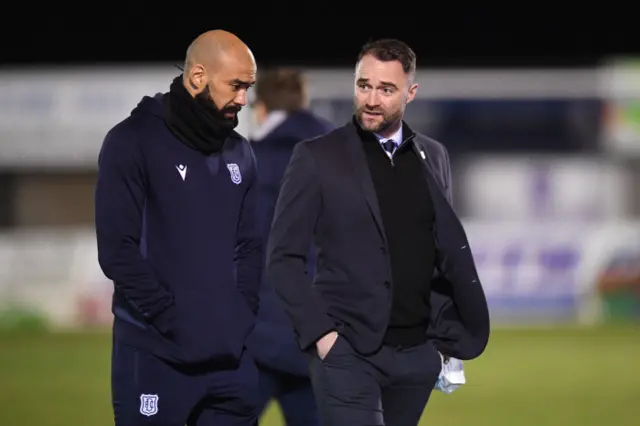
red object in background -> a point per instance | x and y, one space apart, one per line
94 310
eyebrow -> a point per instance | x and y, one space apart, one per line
388 84
242 83
382 83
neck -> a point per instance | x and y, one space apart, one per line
393 128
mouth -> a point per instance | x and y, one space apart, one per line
231 113
371 114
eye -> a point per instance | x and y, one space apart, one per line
240 86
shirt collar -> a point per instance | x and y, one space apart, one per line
396 137
273 120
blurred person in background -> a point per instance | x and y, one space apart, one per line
283 120
176 231
396 290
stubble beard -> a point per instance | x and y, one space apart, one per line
379 124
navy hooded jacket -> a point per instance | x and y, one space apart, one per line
176 233
272 341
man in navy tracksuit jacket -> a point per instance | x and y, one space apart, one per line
175 220
283 122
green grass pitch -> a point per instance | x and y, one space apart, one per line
527 377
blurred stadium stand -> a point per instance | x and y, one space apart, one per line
545 167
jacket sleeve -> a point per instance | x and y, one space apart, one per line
249 251
119 207
296 213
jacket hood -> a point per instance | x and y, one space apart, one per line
151 105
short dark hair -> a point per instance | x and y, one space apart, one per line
391 50
281 89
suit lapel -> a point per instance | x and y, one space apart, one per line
360 169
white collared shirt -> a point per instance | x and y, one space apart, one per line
271 122
396 138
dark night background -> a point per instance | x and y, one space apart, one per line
530 39
486 39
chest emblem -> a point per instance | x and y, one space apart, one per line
234 172
182 169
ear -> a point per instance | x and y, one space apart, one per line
197 78
413 89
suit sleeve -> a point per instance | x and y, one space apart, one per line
296 213
119 202
249 249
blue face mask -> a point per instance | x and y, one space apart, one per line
451 376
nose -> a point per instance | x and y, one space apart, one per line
372 99
241 98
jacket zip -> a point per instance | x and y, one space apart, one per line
393 164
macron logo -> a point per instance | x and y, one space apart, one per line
182 169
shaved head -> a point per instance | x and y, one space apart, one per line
220 68
211 48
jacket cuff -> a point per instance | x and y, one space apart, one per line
308 337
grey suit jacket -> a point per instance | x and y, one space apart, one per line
327 197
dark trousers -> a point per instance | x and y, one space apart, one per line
390 388
148 391
293 393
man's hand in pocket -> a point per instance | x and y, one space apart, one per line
325 343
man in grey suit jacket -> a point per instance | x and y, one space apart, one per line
395 286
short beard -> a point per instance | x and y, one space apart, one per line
387 120
204 100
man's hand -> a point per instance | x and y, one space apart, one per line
325 343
